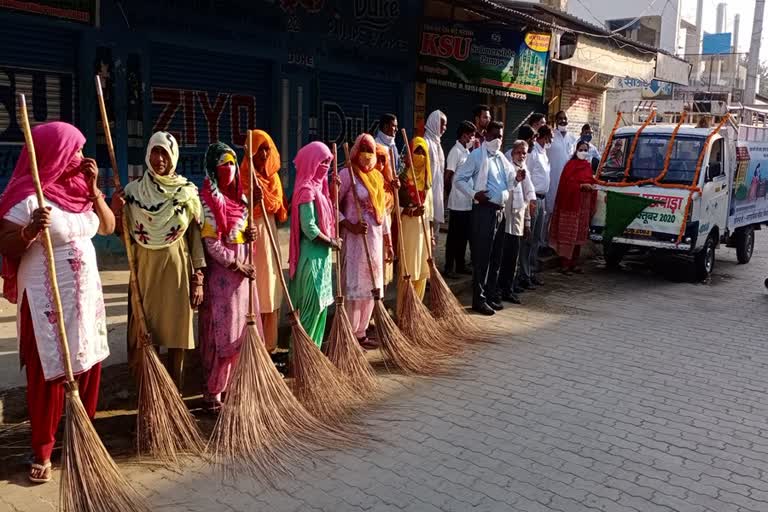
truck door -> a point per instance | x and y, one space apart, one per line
714 196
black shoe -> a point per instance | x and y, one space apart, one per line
496 305
527 285
484 309
465 271
518 289
511 297
538 282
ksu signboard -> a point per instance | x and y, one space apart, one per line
478 59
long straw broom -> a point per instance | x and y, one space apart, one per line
320 387
90 479
342 347
398 349
165 427
262 426
443 304
413 316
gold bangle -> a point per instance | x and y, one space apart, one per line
22 233
96 197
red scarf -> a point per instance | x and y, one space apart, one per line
575 174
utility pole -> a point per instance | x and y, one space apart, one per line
753 63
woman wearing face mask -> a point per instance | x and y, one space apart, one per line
374 226
313 235
518 219
434 129
75 212
266 159
225 234
574 206
416 203
164 212
384 168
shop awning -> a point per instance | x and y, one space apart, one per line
602 57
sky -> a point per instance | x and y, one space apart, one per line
743 7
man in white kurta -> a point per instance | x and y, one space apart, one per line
561 150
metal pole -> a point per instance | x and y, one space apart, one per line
753 61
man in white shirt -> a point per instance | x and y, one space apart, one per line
386 137
518 219
536 121
594 153
459 205
484 177
538 166
561 150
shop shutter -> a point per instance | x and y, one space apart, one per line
349 105
517 112
38 61
203 97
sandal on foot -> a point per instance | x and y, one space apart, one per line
43 472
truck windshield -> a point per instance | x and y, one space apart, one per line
648 159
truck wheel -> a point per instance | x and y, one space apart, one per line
745 244
705 259
613 254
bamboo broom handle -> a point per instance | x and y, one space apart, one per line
107 134
427 238
335 177
46 235
249 141
353 185
133 282
399 223
272 241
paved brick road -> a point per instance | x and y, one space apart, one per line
612 392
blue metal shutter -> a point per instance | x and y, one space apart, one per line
349 105
39 61
203 97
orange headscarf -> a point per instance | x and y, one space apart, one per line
384 167
271 186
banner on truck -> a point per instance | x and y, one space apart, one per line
478 59
666 216
750 185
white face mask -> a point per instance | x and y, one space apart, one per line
547 145
563 129
386 138
582 155
493 145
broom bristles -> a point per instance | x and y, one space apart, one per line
317 383
262 427
399 349
166 428
417 323
90 479
345 353
448 311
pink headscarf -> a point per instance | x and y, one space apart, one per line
56 145
311 185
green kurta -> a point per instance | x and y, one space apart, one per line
163 277
312 285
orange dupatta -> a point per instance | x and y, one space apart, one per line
271 185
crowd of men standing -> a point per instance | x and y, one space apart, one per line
499 204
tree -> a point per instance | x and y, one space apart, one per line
762 77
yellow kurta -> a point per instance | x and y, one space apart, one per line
414 244
267 267
163 277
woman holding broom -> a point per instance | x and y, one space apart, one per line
383 166
225 306
412 195
164 212
375 227
313 235
266 159
75 212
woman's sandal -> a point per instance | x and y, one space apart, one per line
40 473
